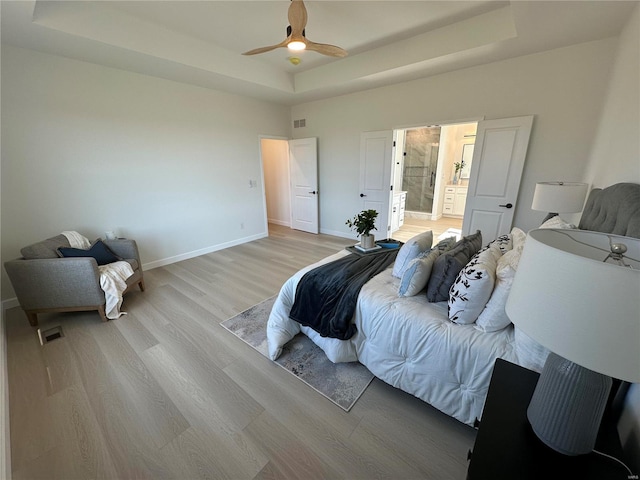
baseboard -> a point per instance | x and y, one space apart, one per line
5 439
279 222
336 233
203 251
9 303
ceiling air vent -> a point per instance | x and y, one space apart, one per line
300 123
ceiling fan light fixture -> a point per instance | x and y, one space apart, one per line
296 45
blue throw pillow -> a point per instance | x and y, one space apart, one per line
98 250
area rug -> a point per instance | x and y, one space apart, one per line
342 383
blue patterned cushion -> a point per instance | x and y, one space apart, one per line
415 246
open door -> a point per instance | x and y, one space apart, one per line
303 168
498 160
376 151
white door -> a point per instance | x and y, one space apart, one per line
303 167
498 159
376 151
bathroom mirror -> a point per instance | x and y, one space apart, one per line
467 156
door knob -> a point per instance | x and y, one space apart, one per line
314 192
508 205
362 195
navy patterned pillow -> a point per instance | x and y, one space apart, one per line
98 250
448 265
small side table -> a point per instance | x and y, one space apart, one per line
507 448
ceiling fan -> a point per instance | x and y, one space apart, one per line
296 39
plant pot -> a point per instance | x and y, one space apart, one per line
367 241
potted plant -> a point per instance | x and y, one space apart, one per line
363 223
458 166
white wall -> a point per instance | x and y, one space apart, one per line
275 159
615 157
563 88
92 148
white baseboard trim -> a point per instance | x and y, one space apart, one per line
336 233
203 251
282 223
418 215
5 439
9 303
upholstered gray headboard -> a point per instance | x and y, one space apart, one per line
614 209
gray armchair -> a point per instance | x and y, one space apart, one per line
44 282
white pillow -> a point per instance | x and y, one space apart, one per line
557 222
494 317
503 242
473 286
416 275
518 237
410 250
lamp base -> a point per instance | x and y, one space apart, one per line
567 406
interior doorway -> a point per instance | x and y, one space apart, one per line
290 180
274 153
432 165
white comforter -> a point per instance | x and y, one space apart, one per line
407 342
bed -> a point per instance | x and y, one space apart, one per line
423 347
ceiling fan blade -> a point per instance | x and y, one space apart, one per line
256 51
325 49
297 16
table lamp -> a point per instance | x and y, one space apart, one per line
577 293
559 197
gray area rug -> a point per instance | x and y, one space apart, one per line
342 383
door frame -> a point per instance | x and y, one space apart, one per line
439 189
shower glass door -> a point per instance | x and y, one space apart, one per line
420 164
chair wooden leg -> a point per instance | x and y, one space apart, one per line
141 284
33 318
103 313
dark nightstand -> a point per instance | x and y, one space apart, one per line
507 448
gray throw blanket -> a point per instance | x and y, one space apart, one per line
326 296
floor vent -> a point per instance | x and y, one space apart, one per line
50 334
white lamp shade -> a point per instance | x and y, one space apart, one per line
566 298
559 197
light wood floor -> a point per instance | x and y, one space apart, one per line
414 226
166 393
